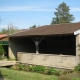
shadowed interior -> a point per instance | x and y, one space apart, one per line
65 45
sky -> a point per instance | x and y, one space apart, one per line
26 13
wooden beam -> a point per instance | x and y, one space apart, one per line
37 41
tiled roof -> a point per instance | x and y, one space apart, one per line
3 35
55 29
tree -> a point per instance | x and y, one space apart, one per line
10 29
62 14
34 26
2 51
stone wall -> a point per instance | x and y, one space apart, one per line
59 61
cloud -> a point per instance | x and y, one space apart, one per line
75 9
34 8
4 26
25 8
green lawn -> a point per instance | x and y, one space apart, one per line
21 75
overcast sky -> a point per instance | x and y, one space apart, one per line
25 13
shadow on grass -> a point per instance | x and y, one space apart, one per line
1 76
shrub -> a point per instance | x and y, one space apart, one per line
77 68
40 69
52 71
31 68
21 66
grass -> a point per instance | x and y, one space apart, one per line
10 74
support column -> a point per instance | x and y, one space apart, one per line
37 46
10 48
77 49
37 42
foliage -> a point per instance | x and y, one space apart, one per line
10 29
62 14
21 66
77 68
40 69
31 68
52 71
2 51
37 68
34 26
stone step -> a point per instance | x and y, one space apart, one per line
8 63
